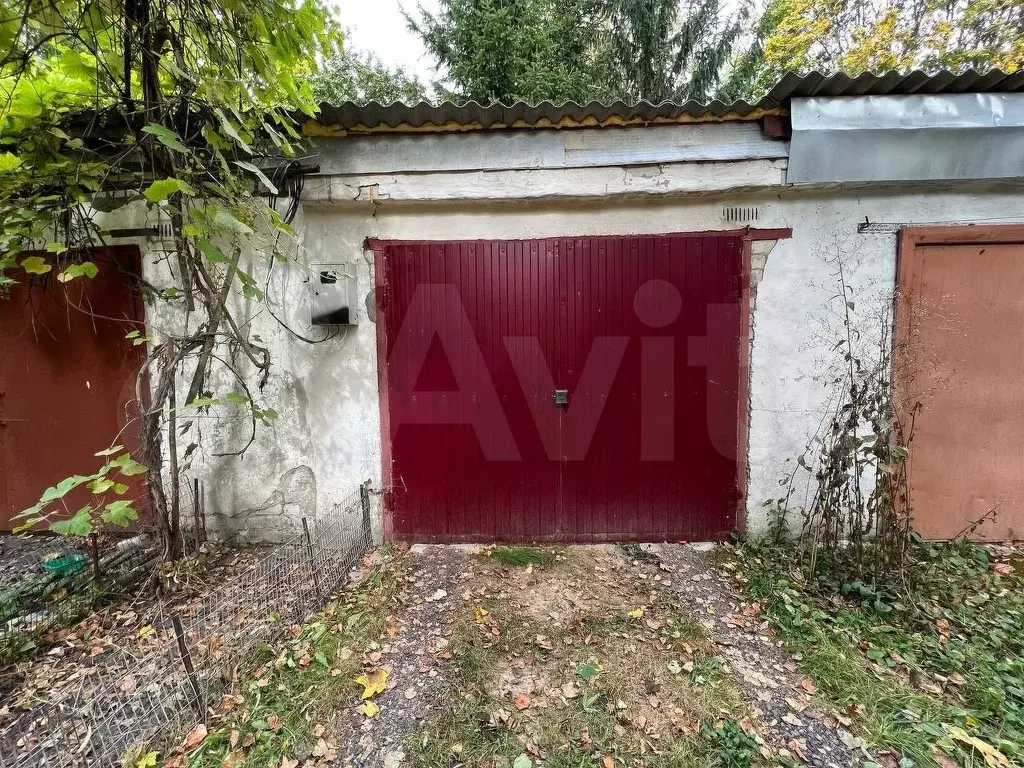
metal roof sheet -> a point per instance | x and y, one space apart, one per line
374 117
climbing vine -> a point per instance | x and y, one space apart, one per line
189 109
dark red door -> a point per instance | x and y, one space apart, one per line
641 333
67 381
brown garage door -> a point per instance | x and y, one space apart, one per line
67 380
960 347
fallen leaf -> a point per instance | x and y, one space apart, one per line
808 685
636 613
993 757
148 760
393 759
674 667
793 720
274 722
369 709
608 761
195 737
521 701
1003 569
373 683
288 762
522 762
481 613
569 690
410 693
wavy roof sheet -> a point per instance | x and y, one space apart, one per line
374 117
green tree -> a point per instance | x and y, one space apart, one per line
580 50
183 107
509 50
859 35
361 77
667 51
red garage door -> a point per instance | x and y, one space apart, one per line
579 389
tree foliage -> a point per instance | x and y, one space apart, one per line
580 50
867 35
508 50
180 106
663 54
360 77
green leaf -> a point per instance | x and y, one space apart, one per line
522 762
258 174
120 513
225 221
165 136
101 485
79 525
127 466
229 129
35 265
86 268
116 448
203 402
211 251
588 671
163 188
9 162
56 248
236 398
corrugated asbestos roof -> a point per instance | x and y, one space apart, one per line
373 117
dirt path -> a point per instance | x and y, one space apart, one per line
411 657
766 673
587 656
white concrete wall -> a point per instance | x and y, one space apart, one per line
328 440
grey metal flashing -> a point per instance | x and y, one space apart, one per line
955 136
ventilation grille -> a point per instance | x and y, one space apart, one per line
740 214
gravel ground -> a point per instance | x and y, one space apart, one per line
765 671
434 581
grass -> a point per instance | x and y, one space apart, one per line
288 700
928 666
601 687
523 556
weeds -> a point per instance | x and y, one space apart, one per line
523 556
929 661
286 704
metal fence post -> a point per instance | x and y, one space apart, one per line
364 498
312 560
186 661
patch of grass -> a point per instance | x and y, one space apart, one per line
523 556
288 700
925 663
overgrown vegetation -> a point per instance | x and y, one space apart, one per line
930 665
623 676
185 109
286 707
848 494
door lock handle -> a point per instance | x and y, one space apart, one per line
561 397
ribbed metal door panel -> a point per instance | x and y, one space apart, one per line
478 334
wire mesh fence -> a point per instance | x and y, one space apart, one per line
190 656
51 581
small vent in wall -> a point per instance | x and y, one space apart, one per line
740 214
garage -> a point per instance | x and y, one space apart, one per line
961 357
570 389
